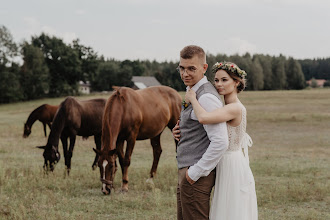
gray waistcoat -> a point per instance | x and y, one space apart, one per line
193 141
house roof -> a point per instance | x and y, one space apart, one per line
140 85
319 82
145 81
82 83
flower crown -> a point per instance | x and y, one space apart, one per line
227 66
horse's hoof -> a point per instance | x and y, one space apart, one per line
94 167
150 181
150 184
123 190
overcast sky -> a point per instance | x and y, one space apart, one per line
159 29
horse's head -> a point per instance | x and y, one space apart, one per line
51 157
27 130
108 168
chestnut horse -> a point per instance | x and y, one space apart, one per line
132 115
74 117
44 113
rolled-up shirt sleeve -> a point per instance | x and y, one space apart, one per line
218 136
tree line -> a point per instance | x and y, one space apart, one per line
53 68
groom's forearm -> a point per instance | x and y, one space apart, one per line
209 160
218 136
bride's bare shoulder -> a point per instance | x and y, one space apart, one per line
234 107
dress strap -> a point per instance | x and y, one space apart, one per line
246 143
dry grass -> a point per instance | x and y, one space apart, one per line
290 160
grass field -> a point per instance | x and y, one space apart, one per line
290 160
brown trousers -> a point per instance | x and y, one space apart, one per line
193 201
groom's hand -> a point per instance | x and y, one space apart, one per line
176 131
188 178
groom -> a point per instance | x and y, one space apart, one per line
201 146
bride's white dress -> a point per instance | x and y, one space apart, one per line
234 191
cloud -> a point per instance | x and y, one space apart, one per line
34 27
48 30
158 22
67 37
80 12
240 46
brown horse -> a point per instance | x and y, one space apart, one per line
44 113
83 118
132 115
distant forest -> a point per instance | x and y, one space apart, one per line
52 68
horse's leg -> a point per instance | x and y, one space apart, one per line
72 142
97 140
127 161
120 153
44 128
157 151
64 140
50 126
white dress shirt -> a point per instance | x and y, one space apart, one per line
217 134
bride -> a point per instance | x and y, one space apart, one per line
234 191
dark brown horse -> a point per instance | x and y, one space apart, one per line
132 115
83 118
44 113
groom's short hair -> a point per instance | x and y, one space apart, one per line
190 51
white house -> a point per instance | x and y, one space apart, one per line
84 88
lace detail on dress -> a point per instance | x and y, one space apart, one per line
237 134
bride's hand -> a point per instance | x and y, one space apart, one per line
190 95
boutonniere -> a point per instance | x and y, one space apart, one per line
185 104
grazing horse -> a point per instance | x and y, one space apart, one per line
132 115
44 113
83 118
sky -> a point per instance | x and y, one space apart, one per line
159 29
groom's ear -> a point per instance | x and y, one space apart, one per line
205 66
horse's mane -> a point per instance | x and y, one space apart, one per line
33 115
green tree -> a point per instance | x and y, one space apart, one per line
256 77
138 68
245 63
295 76
279 75
124 75
89 61
8 48
266 64
150 67
106 75
63 63
211 60
326 83
34 74
10 89
314 83
168 75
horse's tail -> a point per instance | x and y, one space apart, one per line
111 122
105 139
